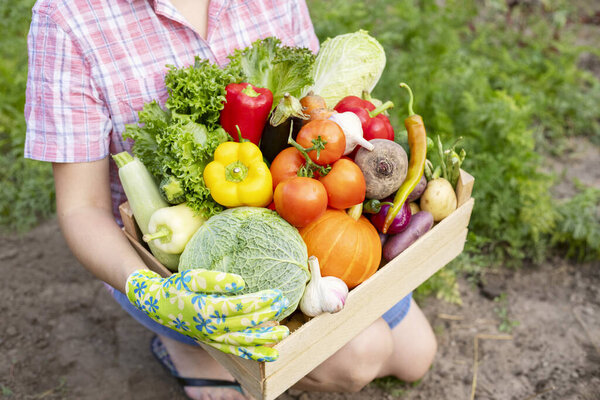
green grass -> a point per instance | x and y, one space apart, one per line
26 186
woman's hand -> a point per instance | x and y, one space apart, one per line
202 304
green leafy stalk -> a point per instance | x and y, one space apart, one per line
281 69
199 90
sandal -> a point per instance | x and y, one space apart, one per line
160 353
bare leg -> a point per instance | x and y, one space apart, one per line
354 365
405 352
414 347
194 362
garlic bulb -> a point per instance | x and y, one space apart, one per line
323 293
352 128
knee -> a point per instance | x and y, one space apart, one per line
355 365
424 354
364 358
362 368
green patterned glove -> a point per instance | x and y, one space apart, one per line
202 304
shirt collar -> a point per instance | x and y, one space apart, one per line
167 9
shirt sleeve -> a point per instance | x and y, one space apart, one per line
66 119
302 26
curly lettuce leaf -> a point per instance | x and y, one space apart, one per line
153 120
189 147
199 90
172 145
281 69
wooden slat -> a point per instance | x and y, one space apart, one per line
129 221
464 187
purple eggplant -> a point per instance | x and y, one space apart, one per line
400 222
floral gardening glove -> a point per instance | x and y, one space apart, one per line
202 304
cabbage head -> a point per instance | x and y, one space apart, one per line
347 65
255 243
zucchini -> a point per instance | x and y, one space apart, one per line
144 198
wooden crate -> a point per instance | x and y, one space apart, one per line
319 338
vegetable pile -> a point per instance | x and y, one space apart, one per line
280 156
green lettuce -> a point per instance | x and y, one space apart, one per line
281 69
177 142
199 90
347 65
175 148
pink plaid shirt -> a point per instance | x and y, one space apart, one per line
94 63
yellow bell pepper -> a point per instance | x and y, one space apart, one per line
238 176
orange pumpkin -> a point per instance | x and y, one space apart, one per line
346 244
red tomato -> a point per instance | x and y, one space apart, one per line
286 165
300 200
329 132
345 184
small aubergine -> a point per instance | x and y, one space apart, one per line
399 224
419 225
418 190
287 115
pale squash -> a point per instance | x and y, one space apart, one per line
348 247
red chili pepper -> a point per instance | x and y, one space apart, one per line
375 125
247 107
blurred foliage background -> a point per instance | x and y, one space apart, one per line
26 186
502 74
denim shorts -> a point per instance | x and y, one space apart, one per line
393 316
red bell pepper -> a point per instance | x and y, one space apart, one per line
375 125
247 107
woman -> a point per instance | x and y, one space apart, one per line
92 66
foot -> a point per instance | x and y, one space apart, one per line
194 362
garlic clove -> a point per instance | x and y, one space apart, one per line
322 294
352 128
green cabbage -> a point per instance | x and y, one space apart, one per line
255 243
346 65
